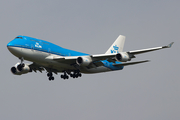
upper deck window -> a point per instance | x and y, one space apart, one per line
34 40
45 43
18 38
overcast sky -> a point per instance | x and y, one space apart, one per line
149 91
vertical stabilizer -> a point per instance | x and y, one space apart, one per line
117 46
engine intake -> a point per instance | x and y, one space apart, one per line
122 57
84 61
19 69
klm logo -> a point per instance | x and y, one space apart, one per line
115 50
38 45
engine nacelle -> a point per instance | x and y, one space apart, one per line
19 69
84 61
122 57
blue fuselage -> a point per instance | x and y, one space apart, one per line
36 50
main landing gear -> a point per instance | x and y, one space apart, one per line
50 75
66 75
75 74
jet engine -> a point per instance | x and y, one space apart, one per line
20 69
84 61
122 57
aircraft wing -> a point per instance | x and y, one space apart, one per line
35 67
111 57
149 49
63 59
96 59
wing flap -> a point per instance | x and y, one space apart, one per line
62 59
36 67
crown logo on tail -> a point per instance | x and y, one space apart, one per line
116 48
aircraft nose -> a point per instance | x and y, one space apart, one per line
10 44
11 47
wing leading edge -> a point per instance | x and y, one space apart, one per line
150 49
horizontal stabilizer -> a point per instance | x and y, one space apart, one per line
130 63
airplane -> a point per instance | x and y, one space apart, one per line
55 59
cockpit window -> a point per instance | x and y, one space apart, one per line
19 38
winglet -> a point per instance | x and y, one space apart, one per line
168 46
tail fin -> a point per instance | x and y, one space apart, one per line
117 46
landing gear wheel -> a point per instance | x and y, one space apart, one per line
50 75
61 76
65 76
73 74
79 74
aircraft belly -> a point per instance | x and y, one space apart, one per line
33 55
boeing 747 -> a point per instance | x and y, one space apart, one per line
55 59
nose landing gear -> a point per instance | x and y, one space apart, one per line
21 65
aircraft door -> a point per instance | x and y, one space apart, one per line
32 47
49 51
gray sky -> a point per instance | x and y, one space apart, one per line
149 91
